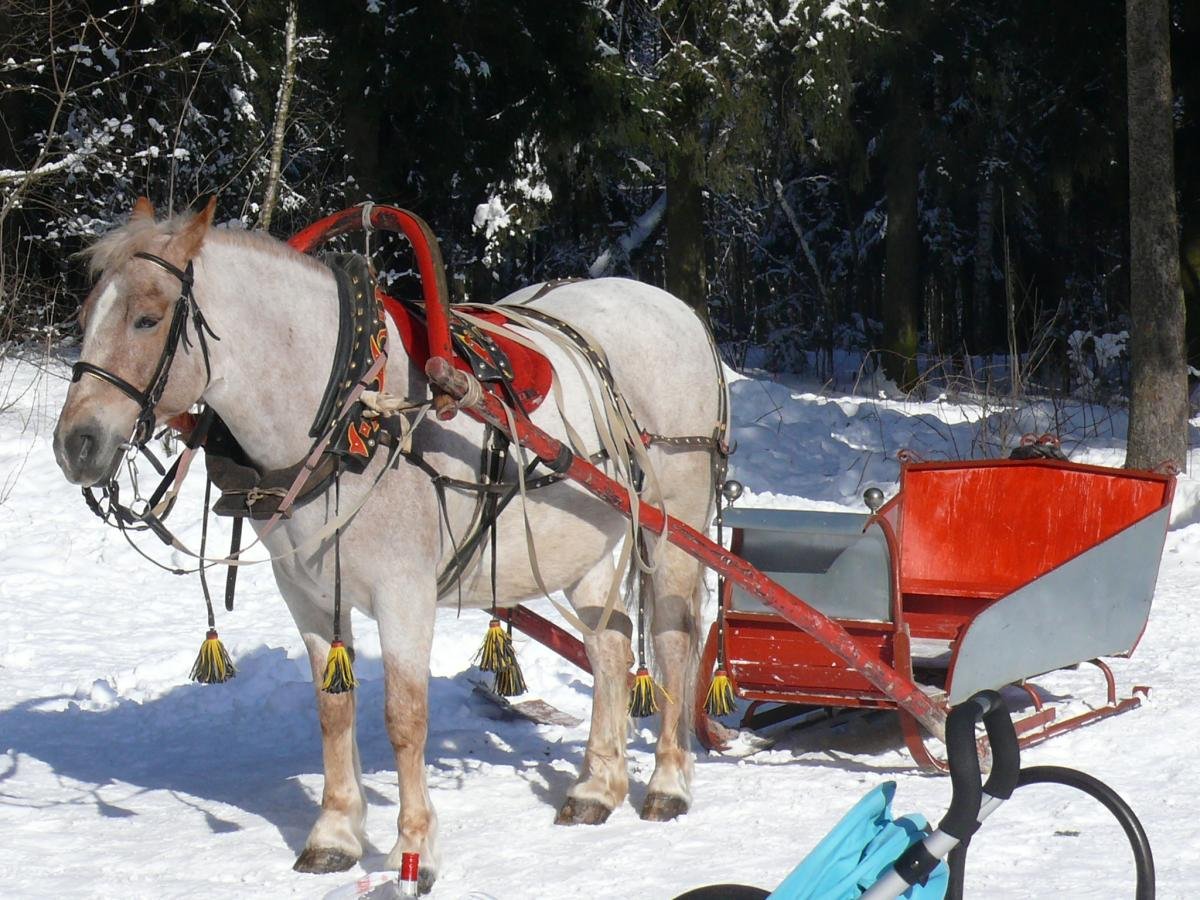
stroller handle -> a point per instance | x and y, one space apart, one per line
962 818
964 815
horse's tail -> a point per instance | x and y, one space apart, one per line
721 434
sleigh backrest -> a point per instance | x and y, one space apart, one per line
982 529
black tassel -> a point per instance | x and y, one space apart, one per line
339 670
497 645
509 680
642 701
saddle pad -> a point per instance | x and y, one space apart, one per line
532 373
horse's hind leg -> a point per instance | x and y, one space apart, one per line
603 779
335 842
674 606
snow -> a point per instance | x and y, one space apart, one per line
118 777
491 217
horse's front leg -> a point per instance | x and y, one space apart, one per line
604 778
335 842
406 618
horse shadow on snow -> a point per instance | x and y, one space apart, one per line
252 743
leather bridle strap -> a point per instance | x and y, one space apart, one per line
148 399
86 368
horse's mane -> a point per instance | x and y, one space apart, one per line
117 246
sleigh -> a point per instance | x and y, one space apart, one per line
976 575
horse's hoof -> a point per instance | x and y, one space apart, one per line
425 880
577 811
663 807
319 861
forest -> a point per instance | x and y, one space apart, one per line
931 185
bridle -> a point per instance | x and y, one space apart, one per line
148 399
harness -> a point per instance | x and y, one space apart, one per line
348 427
352 430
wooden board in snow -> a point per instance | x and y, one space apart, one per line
534 710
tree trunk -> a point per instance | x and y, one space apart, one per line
981 287
282 102
1158 408
685 230
902 245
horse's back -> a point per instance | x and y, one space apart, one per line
659 351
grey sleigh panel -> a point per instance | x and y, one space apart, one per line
856 584
1093 605
794 540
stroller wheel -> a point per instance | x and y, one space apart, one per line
725 892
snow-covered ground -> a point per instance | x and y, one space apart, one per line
120 778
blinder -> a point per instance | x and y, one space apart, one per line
148 399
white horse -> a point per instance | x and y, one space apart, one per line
276 314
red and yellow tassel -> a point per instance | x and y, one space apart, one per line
339 670
509 680
496 648
213 664
719 701
642 700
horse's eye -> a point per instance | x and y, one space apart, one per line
143 323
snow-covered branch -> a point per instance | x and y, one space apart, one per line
630 240
18 176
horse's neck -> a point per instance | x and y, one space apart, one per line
277 319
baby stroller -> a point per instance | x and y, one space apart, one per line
870 855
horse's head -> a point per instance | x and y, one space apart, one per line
140 361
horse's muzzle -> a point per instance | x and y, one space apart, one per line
87 453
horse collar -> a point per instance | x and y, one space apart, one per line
362 339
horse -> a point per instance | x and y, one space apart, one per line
260 357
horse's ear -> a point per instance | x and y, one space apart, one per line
193 234
142 209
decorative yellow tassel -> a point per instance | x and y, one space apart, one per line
497 646
642 701
509 680
213 665
339 670
719 701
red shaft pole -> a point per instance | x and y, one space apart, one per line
813 623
